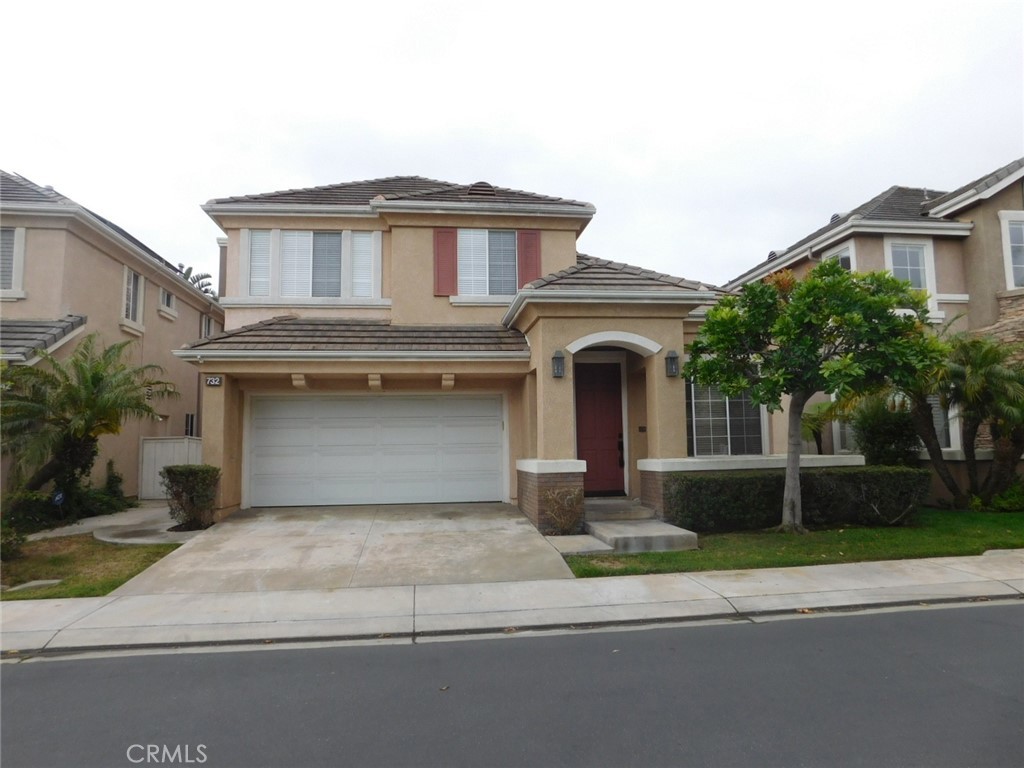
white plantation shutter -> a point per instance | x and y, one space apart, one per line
6 259
259 263
296 263
501 263
327 264
362 264
472 262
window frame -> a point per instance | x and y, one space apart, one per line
836 253
16 291
691 420
928 258
1006 218
133 325
168 306
488 296
274 291
205 326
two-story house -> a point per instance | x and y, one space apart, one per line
409 340
65 272
965 248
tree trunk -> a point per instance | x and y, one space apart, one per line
72 461
970 435
792 511
922 417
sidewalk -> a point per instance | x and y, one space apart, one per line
170 620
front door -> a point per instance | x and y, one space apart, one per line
599 427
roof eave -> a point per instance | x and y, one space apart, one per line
200 355
848 229
972 196
585 211
565 296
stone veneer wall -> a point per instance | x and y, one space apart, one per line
531 493
1009 329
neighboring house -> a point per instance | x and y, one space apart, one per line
965 248
410 340
66 272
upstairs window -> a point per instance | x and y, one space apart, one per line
845 254
314 265
133 286
6 258
206 327
908 264
487 262
720 425
166 299
480 263
1012 223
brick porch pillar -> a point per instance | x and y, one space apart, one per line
537 476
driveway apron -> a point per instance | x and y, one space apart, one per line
297 548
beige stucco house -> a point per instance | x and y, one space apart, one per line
965 248
411 340
65 272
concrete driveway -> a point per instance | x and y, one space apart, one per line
293 548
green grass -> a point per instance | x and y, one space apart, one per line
87 567
937 533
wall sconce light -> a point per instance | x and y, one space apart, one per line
672 364
558 364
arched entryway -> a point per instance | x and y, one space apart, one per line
601 367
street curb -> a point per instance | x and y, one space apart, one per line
29 653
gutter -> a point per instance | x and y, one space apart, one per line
201 355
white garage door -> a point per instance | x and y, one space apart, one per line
375 450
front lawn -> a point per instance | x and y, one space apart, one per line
938 533
86 567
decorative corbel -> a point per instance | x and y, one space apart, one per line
299 381
447 382
374 383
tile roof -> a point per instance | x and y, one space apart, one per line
23 339
978 185
317 334
15 188
592 274
400 188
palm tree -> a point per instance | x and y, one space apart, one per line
200 280
987 385
53 414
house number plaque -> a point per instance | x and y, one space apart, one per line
214 381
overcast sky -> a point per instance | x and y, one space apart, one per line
705 136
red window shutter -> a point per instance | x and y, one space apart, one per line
528 249
446 262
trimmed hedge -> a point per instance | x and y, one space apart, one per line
718 502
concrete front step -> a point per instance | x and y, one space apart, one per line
600 510
642 535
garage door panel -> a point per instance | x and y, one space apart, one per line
368 450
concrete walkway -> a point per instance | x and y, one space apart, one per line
198 618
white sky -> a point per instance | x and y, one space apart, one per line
705 136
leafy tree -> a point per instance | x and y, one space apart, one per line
833 331
53 413
201 280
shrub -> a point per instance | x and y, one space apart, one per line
11 540
718 502
114 486
31 511
885 433
191 490
1010 500
564 508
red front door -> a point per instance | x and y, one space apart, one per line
599 427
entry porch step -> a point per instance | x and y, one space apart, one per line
606 509
642 535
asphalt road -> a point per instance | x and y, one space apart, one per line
942 687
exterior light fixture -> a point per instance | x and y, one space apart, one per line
672 364
558 364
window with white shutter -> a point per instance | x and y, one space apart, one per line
362 264
296 263
314 265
